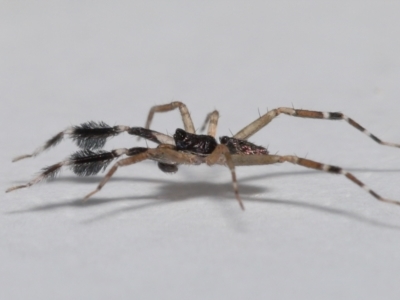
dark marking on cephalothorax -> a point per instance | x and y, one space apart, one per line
196 143
237 146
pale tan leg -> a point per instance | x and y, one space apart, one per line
222 152
212 121
123 162
164 153
261 122
187 120
253 160
333 169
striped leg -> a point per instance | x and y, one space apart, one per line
255 126
187 120
82 163
335 170
212 121
221 155
92 135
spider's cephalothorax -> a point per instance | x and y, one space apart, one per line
187 142
194 143
185 147
206 144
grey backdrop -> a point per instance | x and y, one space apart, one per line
149 235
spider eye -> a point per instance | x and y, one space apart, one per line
224 140
180 134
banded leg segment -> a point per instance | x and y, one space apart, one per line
221 155
82 163
187 120
261 122
335 170
49 143
212 121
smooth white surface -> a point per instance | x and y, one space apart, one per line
149 235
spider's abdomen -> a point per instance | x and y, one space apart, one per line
196 143
237 146
167 168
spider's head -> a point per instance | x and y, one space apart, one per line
237 146
180 135
196 143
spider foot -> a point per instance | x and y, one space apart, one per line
13 188
90 195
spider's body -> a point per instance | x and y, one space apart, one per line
194 143
185 147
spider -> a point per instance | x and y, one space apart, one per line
185 147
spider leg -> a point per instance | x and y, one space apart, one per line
221 155
254 160
212 121
164 154
251 160
49 143
123 162
187 120
92 135
151 135
82 163
335 170
255 126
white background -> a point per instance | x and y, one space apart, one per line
150 235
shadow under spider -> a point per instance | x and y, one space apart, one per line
169 191
172 191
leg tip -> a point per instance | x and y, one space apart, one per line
13 188
20 157
89 195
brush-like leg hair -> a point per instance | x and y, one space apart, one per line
241 160
261 122
187 120
82 163
212 121
93 135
